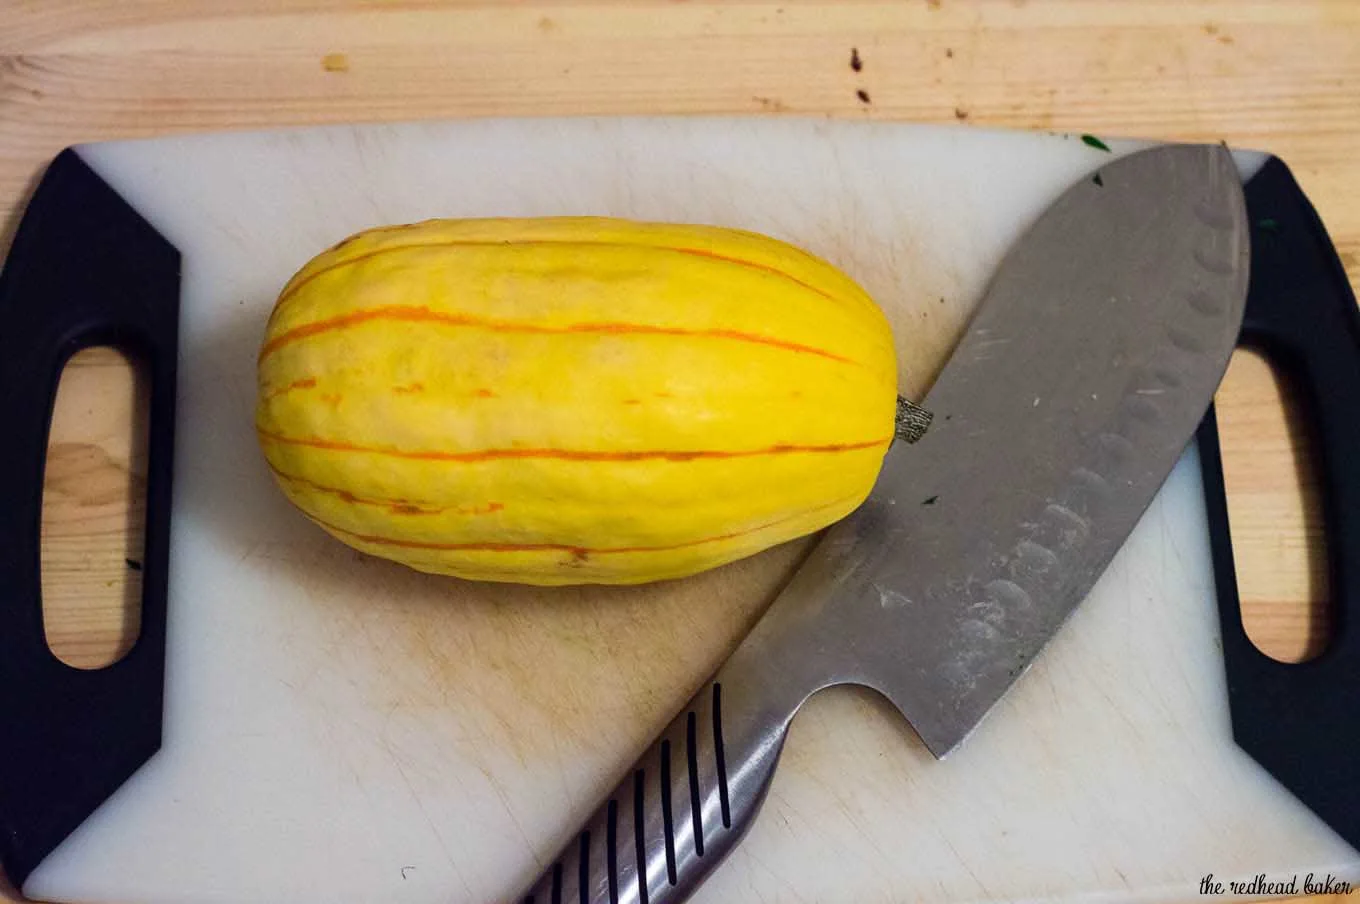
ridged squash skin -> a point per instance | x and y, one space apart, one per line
573 400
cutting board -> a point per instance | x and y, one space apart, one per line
341 729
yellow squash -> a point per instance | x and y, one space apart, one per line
575 400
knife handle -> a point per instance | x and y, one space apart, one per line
681 808
1299 720
84 269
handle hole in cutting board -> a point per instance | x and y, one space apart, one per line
94 508
1274 510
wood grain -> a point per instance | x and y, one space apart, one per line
94 509
1275 511
1280 76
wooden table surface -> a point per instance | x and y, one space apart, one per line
1279 76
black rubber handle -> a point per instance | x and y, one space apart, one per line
1300 721
85 269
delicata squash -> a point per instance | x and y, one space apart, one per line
573 400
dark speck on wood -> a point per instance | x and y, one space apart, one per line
855 62
949 52
960 114
863 96
133 564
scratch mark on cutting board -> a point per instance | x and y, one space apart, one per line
1114 706
866 831
963 862
499 790
778 875
420 804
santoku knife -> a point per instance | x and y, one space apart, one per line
1083 374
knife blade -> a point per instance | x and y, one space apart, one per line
1084 372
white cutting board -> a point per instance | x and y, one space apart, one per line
339 729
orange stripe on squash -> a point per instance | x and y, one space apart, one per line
292 290
307 383
569 454
572 548
396 506
419 314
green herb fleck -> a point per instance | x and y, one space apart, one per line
1268 224
1092 141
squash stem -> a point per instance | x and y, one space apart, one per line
912 421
